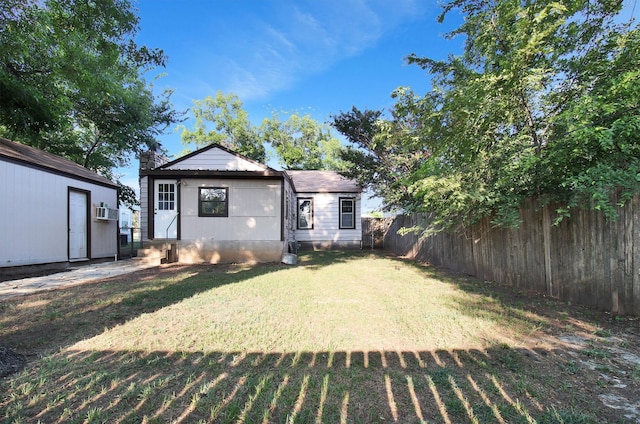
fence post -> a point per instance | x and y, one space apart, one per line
131 241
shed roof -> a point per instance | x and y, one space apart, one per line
49 162
322 182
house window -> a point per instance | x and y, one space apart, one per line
347 213
166 197
305 214
213 201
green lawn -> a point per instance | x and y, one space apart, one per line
341 337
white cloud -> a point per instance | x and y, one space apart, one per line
247 84
301 39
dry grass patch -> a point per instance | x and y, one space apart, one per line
343 337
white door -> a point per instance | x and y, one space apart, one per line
77 225
165 222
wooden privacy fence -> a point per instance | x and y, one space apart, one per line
373 232
585 259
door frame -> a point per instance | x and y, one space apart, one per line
151 206
87 195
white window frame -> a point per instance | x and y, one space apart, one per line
351 214
307 215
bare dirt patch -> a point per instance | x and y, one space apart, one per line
595 355
10 362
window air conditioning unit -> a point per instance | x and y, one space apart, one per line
104 213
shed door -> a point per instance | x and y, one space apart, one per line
165 223
78 234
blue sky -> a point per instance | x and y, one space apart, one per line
306 56
315 57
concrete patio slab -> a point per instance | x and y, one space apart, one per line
75 275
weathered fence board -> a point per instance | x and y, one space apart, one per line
373 231
586 259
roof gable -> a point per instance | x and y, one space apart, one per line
215 158
322 182
30 156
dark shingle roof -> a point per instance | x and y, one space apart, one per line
49 162
322 182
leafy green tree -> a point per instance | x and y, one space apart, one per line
301 142
71 81
29 102
383 154
542 102
593 157
232 127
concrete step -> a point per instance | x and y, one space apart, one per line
152 255
156 252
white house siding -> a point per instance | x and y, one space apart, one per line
104 234
255 211
217 159
144 207
251 232
326 230
34 216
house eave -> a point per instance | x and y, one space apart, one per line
204 173
28 156
54 171
330 192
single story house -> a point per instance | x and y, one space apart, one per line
54 211
214 205
327 210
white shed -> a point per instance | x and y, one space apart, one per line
53 212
